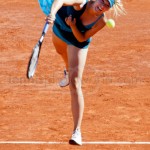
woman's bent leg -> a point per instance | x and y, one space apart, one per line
61 48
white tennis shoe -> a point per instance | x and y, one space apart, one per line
64 82
76 138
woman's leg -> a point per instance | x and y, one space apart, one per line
76 59
61 48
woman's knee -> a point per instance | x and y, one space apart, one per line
75 83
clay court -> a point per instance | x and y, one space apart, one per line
116 83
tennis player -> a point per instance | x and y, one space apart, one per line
74 23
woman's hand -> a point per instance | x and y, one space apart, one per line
50 18
70 21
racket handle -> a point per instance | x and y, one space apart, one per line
46 26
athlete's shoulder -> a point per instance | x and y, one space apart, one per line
79 7
101 21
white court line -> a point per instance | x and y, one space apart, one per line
94 142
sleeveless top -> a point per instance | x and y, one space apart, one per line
62 30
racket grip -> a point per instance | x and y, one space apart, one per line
45 27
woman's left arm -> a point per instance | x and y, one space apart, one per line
83 36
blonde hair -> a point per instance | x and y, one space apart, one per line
118 8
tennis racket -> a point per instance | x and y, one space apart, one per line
35 53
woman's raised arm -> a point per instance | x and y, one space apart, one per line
57 4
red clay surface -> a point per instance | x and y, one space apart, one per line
116 82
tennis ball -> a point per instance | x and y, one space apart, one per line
110 23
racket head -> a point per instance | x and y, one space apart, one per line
33 60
